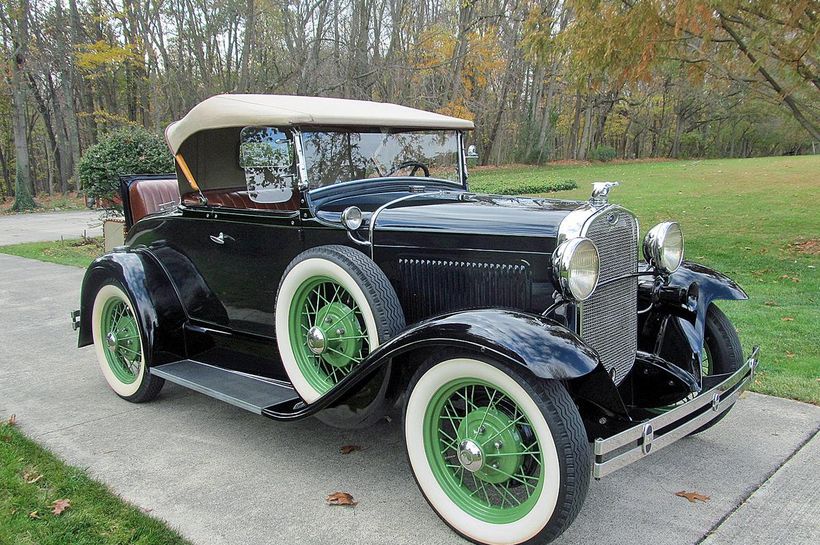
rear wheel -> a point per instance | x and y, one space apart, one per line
722 352
119 346
502 458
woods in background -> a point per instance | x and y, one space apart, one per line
543 79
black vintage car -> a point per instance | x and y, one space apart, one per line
324 257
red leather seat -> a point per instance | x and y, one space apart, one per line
238 198
152 195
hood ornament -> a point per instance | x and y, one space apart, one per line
600 193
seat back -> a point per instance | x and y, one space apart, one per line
151 195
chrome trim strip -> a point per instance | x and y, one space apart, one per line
301 164
711 403
375 215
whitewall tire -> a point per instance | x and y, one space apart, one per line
496 470
334 307
119 345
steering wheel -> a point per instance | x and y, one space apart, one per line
407 164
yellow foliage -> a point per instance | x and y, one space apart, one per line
101 54
457 108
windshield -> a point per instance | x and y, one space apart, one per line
333 157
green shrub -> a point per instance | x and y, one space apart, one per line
531 188
131 150
603 153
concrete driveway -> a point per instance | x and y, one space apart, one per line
17 228
224 476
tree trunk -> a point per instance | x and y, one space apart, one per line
22 193
244 69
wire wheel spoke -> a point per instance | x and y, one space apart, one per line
488 457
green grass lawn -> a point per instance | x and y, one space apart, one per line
756 220
32 480
79 252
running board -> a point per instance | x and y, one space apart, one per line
246 391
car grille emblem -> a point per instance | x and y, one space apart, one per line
612 218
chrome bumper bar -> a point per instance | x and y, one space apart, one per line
650 435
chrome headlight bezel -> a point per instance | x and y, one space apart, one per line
659 246
566 268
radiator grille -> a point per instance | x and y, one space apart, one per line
429 287
609 319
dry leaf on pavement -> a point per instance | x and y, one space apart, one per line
12 421
347 449
341 498
59 506
693 497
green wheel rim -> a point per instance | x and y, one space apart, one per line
121 340
327 332
706 361
503 482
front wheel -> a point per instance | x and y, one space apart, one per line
722 352
501 457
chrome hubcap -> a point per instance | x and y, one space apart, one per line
316 340
111 339
470 455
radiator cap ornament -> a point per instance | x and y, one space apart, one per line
600 193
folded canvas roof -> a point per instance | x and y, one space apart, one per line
223 111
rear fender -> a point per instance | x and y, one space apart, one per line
156 303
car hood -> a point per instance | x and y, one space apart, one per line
468 213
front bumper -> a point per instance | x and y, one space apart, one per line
650 435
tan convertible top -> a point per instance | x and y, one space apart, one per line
224 111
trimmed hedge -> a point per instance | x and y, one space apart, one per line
603 153
131 150
531 188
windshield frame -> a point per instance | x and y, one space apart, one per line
302 174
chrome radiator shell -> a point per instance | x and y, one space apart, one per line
608 320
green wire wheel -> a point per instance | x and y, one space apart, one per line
483 441
333 308
328 332
119 346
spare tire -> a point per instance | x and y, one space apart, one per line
334 306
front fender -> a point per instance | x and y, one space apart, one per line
682 341
155 301
712 286
541 345
544 347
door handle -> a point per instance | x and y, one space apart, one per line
221 238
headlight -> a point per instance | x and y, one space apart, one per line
663 246
575 267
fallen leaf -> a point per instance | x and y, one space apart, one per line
31 477
12 421
770 304
59 506
789 354
787 319
347 449
693 497
341 498
34 515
